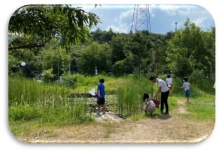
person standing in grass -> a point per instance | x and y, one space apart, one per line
186 86
163 88
169 82
101 96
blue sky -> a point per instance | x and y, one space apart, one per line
162 17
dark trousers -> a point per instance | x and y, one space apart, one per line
164 98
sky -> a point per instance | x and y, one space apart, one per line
154 18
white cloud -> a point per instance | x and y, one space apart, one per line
200 21
119 18
168 7
122 28
174 10
125 15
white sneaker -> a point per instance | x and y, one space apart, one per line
98 113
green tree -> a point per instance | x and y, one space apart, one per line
117 45
35 25
55 59
137 51
188 47
33 64
209 40
95 56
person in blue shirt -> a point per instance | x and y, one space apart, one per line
101 96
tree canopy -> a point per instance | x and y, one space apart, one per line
47 37
191 49
35 25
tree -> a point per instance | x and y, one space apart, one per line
94 55
55 59
209 40
189 47
35 25
117 45
33 64
137 52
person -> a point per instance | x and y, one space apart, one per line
101 96
169 82
186 86
149 105
163 88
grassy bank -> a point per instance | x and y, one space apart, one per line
48 104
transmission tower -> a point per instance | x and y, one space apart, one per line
140 22
176 26
141 18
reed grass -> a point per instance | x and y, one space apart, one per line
48 103
130 95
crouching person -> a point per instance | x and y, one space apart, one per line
149 105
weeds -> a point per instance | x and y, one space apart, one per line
130 96
30 100
49 103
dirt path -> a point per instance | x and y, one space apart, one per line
176 128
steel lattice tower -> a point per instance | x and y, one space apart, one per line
141 18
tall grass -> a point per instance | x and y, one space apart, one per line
130 95
48 103
198 79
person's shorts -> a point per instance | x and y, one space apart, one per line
187 93
100 101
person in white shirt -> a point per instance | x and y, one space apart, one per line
149 105
186 86
163 88
169 82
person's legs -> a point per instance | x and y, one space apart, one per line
187 96
161 103
103 104
164 98
166 94
151 110
98 111
103 108
99 106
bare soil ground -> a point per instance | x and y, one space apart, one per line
173 128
